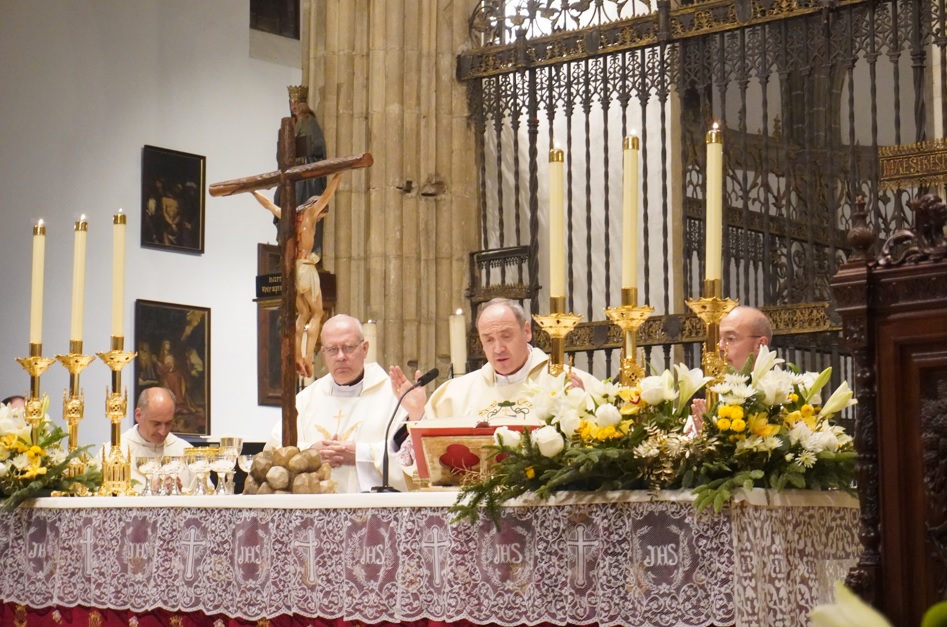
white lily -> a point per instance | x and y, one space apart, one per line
840 399
689 382
813 385
766 360
776 386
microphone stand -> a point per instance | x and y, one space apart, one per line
384 487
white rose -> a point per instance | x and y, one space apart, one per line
549 441
657 389
569 422
607 415
504 436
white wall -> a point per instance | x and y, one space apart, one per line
84 86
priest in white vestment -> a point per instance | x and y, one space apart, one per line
344 414
498 389
151 435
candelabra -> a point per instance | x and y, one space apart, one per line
35 365
629 316
558 324
711 309
73 402
116 468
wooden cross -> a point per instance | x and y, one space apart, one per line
286 178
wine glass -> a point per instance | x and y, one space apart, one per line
222 465
245 462
171 467
148 467
198 464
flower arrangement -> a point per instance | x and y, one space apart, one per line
768 429
27 469
608 437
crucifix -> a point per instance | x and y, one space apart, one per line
286 178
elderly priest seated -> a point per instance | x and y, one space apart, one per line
498 389
344 414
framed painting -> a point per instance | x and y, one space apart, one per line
173 346
172 200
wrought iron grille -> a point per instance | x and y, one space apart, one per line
806 91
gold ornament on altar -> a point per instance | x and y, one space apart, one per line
73 405
116 467
629 316
558 325
711 309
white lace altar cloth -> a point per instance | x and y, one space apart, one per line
621 558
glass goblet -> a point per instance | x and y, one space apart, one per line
245 462
222 465
171 468
199 466
148 467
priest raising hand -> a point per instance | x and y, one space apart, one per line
415 399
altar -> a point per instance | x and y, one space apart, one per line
620 558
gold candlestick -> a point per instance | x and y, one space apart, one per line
629 317
73 402
35 365
558 325
711 309
116 468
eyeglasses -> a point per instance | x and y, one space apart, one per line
347 349
732 338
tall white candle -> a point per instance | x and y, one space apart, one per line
78 279
629 258
714 219
370 332
118 274
557 224
36 283
458 342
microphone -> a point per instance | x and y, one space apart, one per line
425 378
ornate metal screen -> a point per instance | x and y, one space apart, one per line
806 92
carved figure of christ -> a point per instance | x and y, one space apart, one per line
286 177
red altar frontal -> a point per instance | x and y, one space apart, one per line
618 558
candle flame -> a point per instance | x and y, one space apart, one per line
120 210
40 223
715 127
82 218
460 312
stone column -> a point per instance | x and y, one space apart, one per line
382 80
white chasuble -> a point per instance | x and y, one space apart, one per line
486 395
357 413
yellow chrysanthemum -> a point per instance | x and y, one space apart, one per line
807 411
723 424
738 425
530 472
793 397
608 433
759 425
34 452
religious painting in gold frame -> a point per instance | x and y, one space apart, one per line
172 200
173 346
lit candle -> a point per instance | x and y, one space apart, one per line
458 342
36 284
629 205
557 224
78 278
370 332
714 217
118 274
